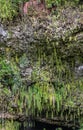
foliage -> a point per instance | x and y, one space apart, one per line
9 75
41 97
7 9
44 96
10 8
9 125
81 127
51 3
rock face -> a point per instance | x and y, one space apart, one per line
47 38
32 34
2 31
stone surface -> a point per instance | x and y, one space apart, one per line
32 36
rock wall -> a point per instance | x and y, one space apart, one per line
45 43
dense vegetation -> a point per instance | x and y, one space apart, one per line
51 88
10 8
46 95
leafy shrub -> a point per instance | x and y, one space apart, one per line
7 9
49 3
10 8
9 75
10 125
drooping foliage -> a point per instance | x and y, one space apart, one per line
51 92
